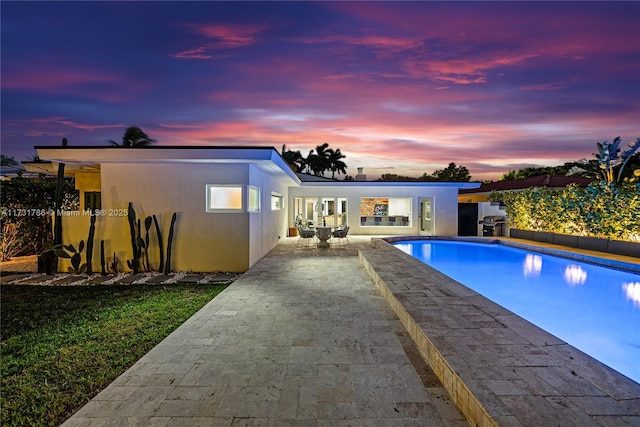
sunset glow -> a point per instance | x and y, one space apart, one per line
399 87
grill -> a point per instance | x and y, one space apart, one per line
493 225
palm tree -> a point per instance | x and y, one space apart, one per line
293 158
335 162
134 137
318 162
312 163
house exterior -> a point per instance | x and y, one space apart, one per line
232 204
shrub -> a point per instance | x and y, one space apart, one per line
602 210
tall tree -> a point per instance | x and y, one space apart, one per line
311 163
318 162
293 158
134 137
452 173
335 162
322 159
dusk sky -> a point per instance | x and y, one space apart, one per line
400 88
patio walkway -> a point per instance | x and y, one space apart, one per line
302 339
305 339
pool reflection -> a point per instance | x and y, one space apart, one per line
574 275
632 292
532 265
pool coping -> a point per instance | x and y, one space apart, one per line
498 368
619 262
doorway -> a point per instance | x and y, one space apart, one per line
467 219
426 216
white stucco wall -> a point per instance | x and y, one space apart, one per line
269 226
445 204
203 242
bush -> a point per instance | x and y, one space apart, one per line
601 210
27 204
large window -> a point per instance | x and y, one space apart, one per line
224 198
229 198
385 212
318 210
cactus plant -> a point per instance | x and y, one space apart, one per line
155 222
147 226
61 252
134 264
167 267
112 264
48 261
92 230
102 261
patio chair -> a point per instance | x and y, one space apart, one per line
341 235
307 236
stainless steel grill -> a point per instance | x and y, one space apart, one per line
493 225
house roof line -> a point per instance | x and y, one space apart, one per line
552 181
267 158
161 147
432 184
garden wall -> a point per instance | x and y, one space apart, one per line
618 247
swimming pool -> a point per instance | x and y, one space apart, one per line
593 308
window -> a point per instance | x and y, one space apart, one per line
277 202
385 211
253 203
92 200
224 198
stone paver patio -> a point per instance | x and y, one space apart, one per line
302 339
339 337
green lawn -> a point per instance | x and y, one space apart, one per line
62 345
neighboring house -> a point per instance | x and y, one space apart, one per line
8 172
475 205
234 204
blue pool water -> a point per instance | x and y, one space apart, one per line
593 308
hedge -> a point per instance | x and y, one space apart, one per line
601 210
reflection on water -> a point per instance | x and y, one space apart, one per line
532 265
426 253
575 275
632 291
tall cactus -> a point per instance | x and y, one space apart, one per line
147 226
50 260
102 260
57 229
167 267
155 222
92 230
134 264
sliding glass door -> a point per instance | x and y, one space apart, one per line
319 210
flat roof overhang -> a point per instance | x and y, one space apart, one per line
396 184
83 157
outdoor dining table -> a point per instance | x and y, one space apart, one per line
323 233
